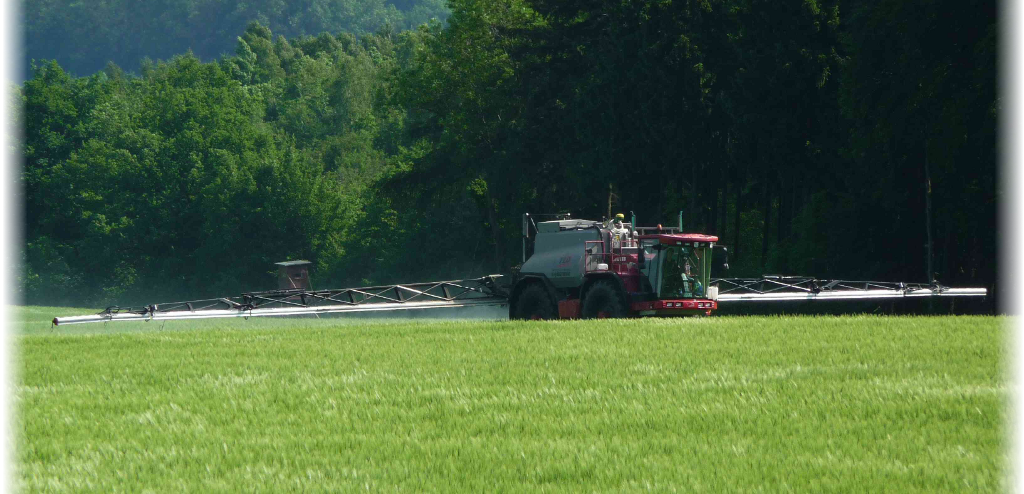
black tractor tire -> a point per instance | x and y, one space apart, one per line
534 303
603 300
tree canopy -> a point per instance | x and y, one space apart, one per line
822 138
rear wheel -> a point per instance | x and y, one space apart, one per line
603 301
534 303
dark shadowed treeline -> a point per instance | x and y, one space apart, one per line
820 138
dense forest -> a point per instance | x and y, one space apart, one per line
826 138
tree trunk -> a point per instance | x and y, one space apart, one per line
724 209
692 213
492 218
767 205
713 221
928 213
780 215
611 199
736 214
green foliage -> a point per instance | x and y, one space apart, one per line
714 107
458 87
798 132
566 103
920 91
193 179
45 271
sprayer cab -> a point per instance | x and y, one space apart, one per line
585 268
677 270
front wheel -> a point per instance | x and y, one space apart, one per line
603 301
534 303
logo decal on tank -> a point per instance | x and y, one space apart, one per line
564 261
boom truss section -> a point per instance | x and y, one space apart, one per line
477 292
793 288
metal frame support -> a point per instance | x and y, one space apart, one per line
771 288
459 293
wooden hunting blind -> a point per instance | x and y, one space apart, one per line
293 274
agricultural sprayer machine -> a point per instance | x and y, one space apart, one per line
571 269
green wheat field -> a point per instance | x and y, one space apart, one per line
718 404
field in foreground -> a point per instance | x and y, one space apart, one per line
722 404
